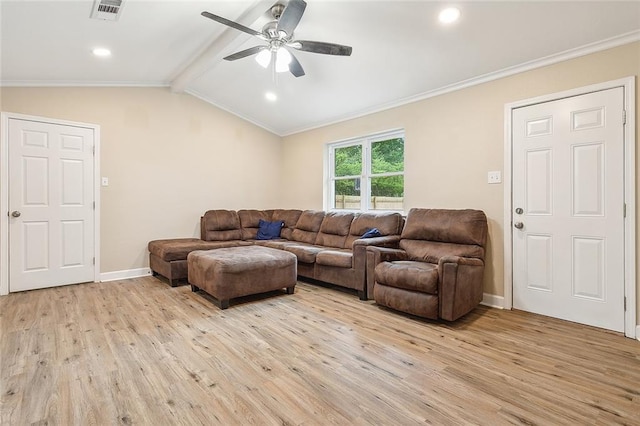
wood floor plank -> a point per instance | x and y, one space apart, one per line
140 352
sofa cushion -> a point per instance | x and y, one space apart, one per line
334 229
341 258
430 251
289 217
388 223
221 225
447 226
275 244
250 222
304 252
178 249
307 227
408 275
269 230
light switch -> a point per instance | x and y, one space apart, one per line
105 181
494 177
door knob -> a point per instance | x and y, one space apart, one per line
518 225
15 213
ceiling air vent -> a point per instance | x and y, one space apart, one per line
108 10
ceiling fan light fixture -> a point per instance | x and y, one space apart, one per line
271 97
101 52
449 15
283 59
263 58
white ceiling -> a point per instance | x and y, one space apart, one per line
400 51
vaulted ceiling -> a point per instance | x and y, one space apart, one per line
400 50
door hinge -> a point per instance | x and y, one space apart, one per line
625 303
94 205
94 260
624 210
624 116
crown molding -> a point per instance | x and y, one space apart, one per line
75 83
595 47
206 99
587 49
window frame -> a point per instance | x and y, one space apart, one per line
366 171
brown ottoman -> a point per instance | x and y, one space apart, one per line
227 273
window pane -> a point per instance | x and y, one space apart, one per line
387 193
347 194
348 161
387 156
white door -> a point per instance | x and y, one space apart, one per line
51 205
568 181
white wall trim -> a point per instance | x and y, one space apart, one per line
125 274
588 49
492 300
628 84
4 190
78 83
638 333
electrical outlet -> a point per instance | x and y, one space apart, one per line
494 177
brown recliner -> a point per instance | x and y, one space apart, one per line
438 270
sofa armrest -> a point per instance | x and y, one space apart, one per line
460 285
384 241
376 255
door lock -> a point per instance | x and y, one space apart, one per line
519 210
15 213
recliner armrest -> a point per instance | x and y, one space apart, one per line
460 285
376 255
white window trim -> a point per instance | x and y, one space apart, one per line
365 189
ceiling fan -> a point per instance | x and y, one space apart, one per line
278 34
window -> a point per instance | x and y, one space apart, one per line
367 173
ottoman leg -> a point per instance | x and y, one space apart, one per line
291 289
224 304
194 288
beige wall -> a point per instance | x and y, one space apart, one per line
452 141
168 157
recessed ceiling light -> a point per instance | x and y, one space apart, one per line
271 96
101 52
449 15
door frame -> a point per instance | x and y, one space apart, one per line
628 85
4 191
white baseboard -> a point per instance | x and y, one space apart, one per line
493 301
638 332
123 275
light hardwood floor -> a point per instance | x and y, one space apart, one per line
141 352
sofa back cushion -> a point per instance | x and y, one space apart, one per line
290 218
387 223
221 225
334 229
430 234
250 221
308 226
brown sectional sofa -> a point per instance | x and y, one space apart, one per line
328 246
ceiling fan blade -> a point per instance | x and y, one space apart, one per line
295 67
245 53
321 47
232 24
291 16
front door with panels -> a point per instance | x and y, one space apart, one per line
51 204
568 209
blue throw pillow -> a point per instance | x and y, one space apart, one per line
373 232
269 230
